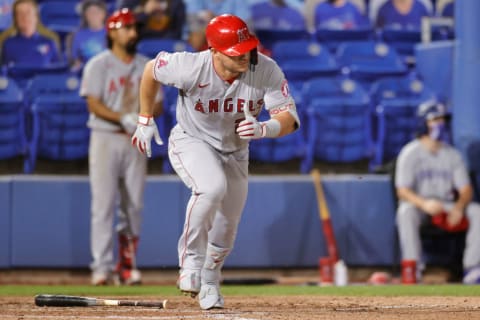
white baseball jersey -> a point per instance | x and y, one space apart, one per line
109 79
431 175
210 108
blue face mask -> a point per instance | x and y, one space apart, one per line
439 132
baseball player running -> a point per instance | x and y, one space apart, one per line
221 91
427 173
110 83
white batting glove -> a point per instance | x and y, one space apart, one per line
129 122
250 128
146 130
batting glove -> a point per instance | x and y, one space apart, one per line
129 122
146 130
250 128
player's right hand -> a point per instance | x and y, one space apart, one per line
129 122
432 207
146 130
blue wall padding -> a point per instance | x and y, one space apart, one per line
5 204
466 75
50 216
50 222
165 200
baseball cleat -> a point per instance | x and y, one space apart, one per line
101 279
472 276
129 277
189 282
210 297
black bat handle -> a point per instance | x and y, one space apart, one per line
148 304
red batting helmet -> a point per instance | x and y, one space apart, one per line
229 34
120 18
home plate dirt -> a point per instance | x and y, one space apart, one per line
260 307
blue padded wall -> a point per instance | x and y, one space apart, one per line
280 227
165 200
5 203
50 222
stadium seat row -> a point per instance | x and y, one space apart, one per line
342 122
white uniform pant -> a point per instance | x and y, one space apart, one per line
409 220
117 179
219 184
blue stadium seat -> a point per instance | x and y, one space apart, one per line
23 73
339 126
60 84
60 16
268 37
59 129
304 59
368 61
278 150
403 41
396 101
151 47
13 140
274 23
332 38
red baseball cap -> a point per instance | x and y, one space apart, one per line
120 18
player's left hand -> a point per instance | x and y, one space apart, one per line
250 128
454 217
146 130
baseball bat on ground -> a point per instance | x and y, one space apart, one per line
49 300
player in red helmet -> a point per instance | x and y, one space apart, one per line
221 92
110 84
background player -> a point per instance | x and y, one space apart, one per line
427 173
110 84
221 90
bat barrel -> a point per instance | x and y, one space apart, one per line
48 300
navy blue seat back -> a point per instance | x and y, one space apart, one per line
60 16
61 84
396 101
274 23
339 128
403 41
151 47
13 140
304 59
59 128
368 61
23 73
332 38
278 150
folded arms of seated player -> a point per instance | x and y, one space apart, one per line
433 207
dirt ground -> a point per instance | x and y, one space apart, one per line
261 307
237 307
